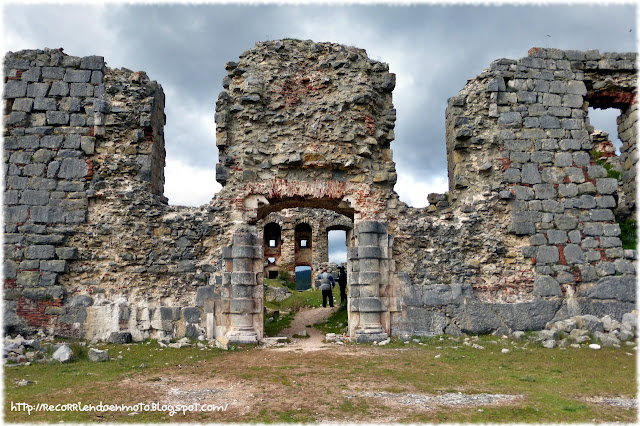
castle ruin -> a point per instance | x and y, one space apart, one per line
528 232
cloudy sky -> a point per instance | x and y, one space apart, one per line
432 48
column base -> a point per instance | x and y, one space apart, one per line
370 335
241 337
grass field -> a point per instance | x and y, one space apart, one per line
276 385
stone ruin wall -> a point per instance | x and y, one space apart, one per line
525 235
534 210
91 246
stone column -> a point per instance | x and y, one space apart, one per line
368 262
244 307
320 247
288 249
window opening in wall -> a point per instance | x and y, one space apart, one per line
605 120
337 246
273 275
272 260
303 277
272 235
303 235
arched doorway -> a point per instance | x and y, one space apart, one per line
368 268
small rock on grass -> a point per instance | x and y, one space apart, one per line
63 354
97 355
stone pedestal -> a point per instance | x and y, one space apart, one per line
369 272
243 304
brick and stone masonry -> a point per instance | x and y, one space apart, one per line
527 233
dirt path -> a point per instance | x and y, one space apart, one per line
300 323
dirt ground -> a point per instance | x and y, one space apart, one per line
304 381
304 321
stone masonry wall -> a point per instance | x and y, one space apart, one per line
526 234
535 211
91 247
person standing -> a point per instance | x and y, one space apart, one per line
326 284
342 282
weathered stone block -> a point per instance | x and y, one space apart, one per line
547 254
16 214
15 89
77 76
121 337
544 191
59 88
81 301
81 89
556 236
53 265
606 185
573 254
606 242
521 228
28 279
620 287
73 168
370 226
242 306
40 252
366 304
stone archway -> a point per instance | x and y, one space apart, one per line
319 137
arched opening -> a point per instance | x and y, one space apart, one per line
303 277
272 246
337 246
304 227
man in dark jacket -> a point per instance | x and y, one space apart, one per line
326 284
342 282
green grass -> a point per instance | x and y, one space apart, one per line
629 233
336 323
278 323
312 387
89 382
299 299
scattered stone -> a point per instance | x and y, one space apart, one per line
121 337
63 354
549 344
97 355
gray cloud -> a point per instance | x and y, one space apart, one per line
433 49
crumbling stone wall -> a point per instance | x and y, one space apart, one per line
527 233
535 210
91 246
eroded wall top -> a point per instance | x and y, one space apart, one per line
303 111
